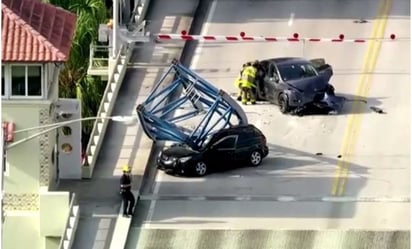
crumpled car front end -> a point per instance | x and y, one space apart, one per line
324 101
330 103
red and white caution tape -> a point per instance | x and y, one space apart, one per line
242 37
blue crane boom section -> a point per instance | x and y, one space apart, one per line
211 109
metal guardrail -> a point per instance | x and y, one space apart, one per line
69 231
99 55
99 59
96 138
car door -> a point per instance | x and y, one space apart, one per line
272 84
325 70
244 145
222 152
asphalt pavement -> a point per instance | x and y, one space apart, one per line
359 181
349 171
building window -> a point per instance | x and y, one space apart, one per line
34 80
26 80
18 80
22 81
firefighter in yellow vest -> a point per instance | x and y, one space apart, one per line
238 81
248 83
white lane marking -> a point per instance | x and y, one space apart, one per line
197 198
338 199
242 198
292 16
286 198
195 60
150 212
205 28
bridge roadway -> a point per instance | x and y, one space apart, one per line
295 188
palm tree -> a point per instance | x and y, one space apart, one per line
73 79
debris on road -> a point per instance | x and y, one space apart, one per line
377 110
360 20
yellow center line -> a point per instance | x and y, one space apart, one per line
364 84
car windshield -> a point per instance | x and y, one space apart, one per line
296 71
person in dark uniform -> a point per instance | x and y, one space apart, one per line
125 190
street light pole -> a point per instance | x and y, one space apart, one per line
114 118
54 126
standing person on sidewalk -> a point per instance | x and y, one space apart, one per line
126 191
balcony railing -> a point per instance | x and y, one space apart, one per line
99 60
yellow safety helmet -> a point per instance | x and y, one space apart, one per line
126 168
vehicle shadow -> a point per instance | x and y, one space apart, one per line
282 173
351 104
283 158
279 151
286 171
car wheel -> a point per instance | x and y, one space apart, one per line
255 158
283 103
200 168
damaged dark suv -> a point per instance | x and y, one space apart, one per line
296 84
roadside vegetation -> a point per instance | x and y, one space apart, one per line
74 81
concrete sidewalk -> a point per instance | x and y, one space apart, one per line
99 197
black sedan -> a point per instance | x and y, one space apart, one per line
297 84
226 149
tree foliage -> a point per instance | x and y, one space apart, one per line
73 80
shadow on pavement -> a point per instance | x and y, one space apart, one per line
352 104
283 172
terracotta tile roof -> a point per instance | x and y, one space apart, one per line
33 31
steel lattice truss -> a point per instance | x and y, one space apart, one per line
164 115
